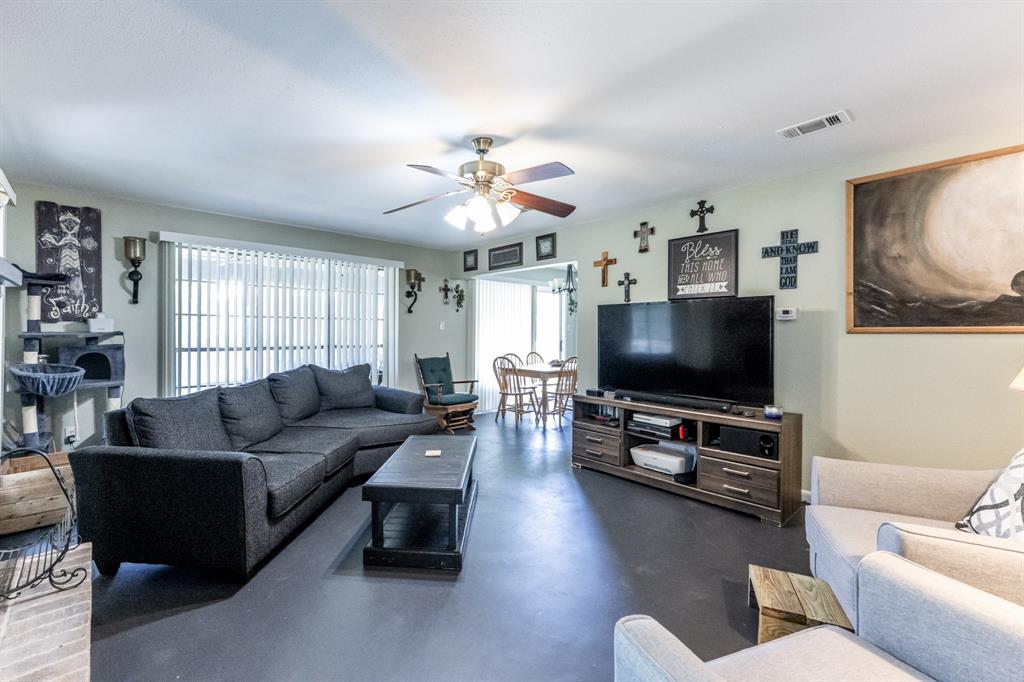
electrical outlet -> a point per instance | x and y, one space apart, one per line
442 325
70 435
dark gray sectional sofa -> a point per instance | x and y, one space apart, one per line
217 479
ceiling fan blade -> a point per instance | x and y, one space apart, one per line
542 204
444 174
545 171
423 201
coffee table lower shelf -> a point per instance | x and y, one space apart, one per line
419 535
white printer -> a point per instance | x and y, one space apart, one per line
666 457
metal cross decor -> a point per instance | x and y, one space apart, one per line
787 251
627 282
603 262
700 212
445 290
642 234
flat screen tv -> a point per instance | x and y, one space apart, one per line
714 349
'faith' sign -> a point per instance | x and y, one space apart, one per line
787 251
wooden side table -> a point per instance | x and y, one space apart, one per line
789 602
45 633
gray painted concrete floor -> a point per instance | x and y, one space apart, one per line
555 557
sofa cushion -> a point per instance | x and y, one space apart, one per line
840 537
337 447
998 512
344 388
188 422
374 427
456 399
800 657
296 393
249 413
437 371
290 477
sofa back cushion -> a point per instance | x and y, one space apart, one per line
344 388
296 393
249 413
190 422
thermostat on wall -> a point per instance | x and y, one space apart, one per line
786 313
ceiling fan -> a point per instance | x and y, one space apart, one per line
496 200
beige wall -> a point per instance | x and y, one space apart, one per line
938 400
419 332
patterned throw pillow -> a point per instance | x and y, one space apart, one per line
998 513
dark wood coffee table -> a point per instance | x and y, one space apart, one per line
421 506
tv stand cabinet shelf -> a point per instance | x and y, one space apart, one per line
766 487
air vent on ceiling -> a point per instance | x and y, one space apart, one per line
815 124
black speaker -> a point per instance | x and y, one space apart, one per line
749 442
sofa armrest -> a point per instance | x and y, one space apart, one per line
153 505
995 565
396 400
938 625
944 494
647 652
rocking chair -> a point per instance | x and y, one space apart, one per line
452 410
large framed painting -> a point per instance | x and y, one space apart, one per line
68 241
508 256
703 265
938 248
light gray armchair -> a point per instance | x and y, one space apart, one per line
914 624
858 507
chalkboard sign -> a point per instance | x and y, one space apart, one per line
703 266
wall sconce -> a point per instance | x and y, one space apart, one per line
460 297
135 253
415 281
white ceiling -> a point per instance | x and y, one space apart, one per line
305 113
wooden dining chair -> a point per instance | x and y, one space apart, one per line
534 358
515 396
516 360
565 389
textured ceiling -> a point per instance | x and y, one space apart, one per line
305 113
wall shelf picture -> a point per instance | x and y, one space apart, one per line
508 256
68 242
703 266
469 260
547 246
937 248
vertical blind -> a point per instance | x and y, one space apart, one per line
239 314
504 324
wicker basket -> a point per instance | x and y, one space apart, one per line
30 496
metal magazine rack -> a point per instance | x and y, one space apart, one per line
29 557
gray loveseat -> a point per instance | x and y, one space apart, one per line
217 479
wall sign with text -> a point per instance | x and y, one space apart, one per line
703 266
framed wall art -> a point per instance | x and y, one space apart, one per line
469 260
68 241
546 246
508 256
703 265
938 248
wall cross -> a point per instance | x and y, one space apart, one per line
626 282
787 251
603 262
642 234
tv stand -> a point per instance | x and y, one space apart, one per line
678 401
766 487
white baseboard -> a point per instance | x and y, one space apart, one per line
805 496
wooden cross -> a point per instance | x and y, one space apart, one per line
603 263
626 282
787 252
701 211
642 234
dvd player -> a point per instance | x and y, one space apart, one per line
657 419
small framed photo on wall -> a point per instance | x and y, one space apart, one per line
546 246
469 260
505 256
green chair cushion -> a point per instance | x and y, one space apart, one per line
456 399
437 371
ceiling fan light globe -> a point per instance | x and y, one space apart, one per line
457 217
479 210
507 212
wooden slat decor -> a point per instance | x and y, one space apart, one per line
45 633
789 602
29 494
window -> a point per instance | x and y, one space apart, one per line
236 314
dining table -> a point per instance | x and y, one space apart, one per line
544 373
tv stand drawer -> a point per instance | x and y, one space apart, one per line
740 474
597 445
739 491
606 455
